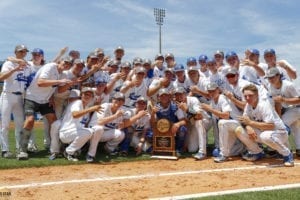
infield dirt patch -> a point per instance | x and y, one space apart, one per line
157 185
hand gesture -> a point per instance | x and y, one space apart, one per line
228 94
278 99
245 120
63 51
182 105
281 64
247 62
247 54
98 108
119 113
66 81
164 82
142 113
206 107
194 88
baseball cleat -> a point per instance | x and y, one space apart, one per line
22 156
221 159
32 148
216 152
199 156
53 156
70 157
90 159
7 154
288 160
253 157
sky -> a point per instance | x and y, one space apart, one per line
190 28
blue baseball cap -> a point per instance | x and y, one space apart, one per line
210 60
38 50
254 51
272 51
230 54
202 57
178 68
191 59
101 79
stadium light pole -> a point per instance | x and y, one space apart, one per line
159 18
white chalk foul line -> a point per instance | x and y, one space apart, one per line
101 179
208 194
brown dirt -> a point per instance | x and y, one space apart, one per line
142 188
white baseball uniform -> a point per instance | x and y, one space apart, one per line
134 93
11 102
291 113
197 137
228 142
142 124
184 84
277 139
111 135
74 132
159 73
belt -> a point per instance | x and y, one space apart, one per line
17 93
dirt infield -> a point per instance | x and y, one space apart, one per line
144 179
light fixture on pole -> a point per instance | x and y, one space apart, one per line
159 18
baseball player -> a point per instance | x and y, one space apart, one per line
55 146
246 72
198 122
14 76
219 58
226 114
138 132
191 61
197 84
280 91
181 77
117 79
147 64
100 95
286 69
119 53
75 129
157 84
214 75
167 109
159 68
38 97
112 119
202 62
170 60
135 88
63 91
234 91
264 125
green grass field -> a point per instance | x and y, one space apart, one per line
40 159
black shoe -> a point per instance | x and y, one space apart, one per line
7 154
70 157
90 159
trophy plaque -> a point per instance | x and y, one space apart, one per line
163 140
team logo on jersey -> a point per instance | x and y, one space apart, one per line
133 96
111 125
21 77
